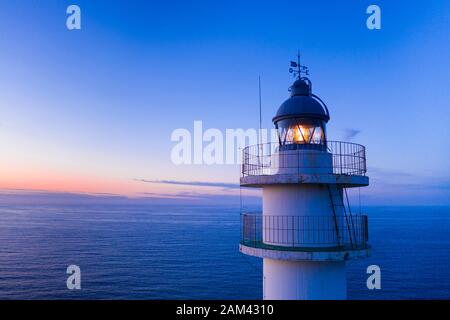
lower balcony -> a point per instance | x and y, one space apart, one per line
335 236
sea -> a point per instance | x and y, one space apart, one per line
192 252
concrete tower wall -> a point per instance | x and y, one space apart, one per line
290 208
293 280
286 280
296 200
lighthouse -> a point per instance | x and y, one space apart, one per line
306 232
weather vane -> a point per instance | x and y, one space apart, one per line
297 69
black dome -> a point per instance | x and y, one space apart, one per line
302 104
300 87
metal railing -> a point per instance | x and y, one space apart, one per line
304 233
347 158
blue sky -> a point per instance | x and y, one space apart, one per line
92 110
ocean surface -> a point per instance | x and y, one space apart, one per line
191 252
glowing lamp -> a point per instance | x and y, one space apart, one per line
301 119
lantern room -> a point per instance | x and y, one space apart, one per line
301 119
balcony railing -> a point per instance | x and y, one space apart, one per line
305 233
345 158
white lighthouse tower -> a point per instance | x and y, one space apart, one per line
306 232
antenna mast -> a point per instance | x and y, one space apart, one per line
260 110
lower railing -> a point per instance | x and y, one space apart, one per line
304 233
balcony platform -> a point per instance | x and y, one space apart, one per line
262 250
337 162
305 238
347 181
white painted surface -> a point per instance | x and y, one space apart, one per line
288 208
296 199
301 162
287 280
297 187
299 280
288 255
257 181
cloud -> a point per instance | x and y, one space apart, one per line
384 172
193 183
179 195
400 178
349 134
25 197
392 186
42 197
422 184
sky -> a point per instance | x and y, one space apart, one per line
92 111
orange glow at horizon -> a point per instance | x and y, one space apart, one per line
56 182
38 179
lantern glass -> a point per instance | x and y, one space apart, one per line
301 131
